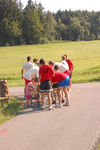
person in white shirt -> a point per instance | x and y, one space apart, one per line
64 62
63 67
36 61
26 66
32 73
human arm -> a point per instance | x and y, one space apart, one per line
22 72
39 79
72 68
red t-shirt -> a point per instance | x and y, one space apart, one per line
67 72
70 64
59 76
46 72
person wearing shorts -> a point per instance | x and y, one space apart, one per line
26 66
70 64
36 61
62 66
31 75
63 81
45 75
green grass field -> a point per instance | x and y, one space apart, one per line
84 55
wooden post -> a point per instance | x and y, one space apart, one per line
4 89
4 92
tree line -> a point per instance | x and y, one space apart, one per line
33 25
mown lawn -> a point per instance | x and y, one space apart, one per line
9 111
84 55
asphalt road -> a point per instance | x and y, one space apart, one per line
70 128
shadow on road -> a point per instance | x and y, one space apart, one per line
32 110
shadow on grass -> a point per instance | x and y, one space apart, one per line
13 108
95 79
93 70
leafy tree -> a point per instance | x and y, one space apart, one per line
10 24
51 24
31 24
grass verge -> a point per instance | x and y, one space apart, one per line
9 111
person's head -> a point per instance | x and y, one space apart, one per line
29 59
51 63
42 62
56 68
63 58
36 61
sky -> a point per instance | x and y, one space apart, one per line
55 5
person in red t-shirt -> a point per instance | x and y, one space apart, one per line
45 75
63 81
71 65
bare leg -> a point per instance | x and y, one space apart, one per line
66 94
59 94
42 98
24 90
68 88
52 97
70 83
49 98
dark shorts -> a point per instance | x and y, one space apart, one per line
55 85
70 75
46 86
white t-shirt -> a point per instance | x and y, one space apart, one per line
32 73
63 67
66 64
27 66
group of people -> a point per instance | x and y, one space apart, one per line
48 77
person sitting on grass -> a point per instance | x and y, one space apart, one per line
45 75
63 81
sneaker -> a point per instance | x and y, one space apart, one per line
42 107
51 108
67 104
59 106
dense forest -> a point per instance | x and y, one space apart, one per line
33 25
